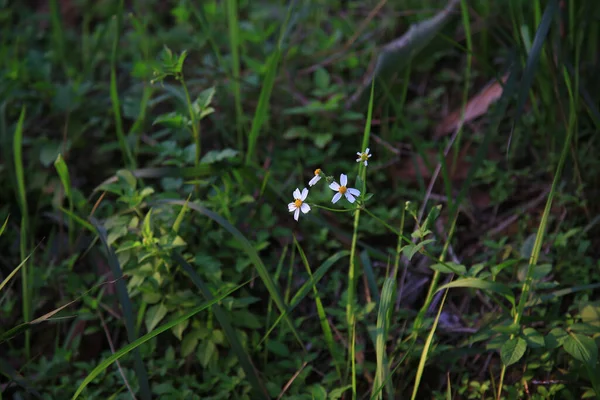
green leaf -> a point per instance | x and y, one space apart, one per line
512 350
138 342
336 394
411 249
582 348
206 351
450 268
63 174
590 314
555 338
179 329
154 315
322 79
477 283
534 339
172 120
189 343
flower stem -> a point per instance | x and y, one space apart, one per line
332 209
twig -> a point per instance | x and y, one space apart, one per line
112 350
292 379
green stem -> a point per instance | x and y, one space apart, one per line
195 126
352 273
333 209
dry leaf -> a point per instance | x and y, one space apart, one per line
476 107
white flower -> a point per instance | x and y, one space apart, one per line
315 178
364 157
298 203
350 193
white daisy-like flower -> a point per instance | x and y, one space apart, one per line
315 178
342 189
363 157
298 203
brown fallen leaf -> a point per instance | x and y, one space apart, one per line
476 107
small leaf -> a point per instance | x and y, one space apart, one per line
582 348
555 338
335 394
449 268
512 350
322 78
411 249
534 339
63 174
172 120
154 315
179 328
189 343
590 314
206 350
433 215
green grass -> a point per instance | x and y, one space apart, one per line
149 150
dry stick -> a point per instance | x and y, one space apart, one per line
292 379
112 350
436 172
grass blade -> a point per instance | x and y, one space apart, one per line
24 238
230 332
14 272
260 115
261 269
306 287
3 228
234 44
114 93
115 267
63 173
138 342
532 61
327 335
383 324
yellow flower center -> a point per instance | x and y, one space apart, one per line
342 189
297 203
317 172
364 157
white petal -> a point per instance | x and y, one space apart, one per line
304 194
334 186
367 151
297 214
343 180
292 206
297 193
369 155
354 192
305 208
358 159
358 154
366 163
314 180
337 196
350 198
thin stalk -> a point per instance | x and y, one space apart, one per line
539 238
